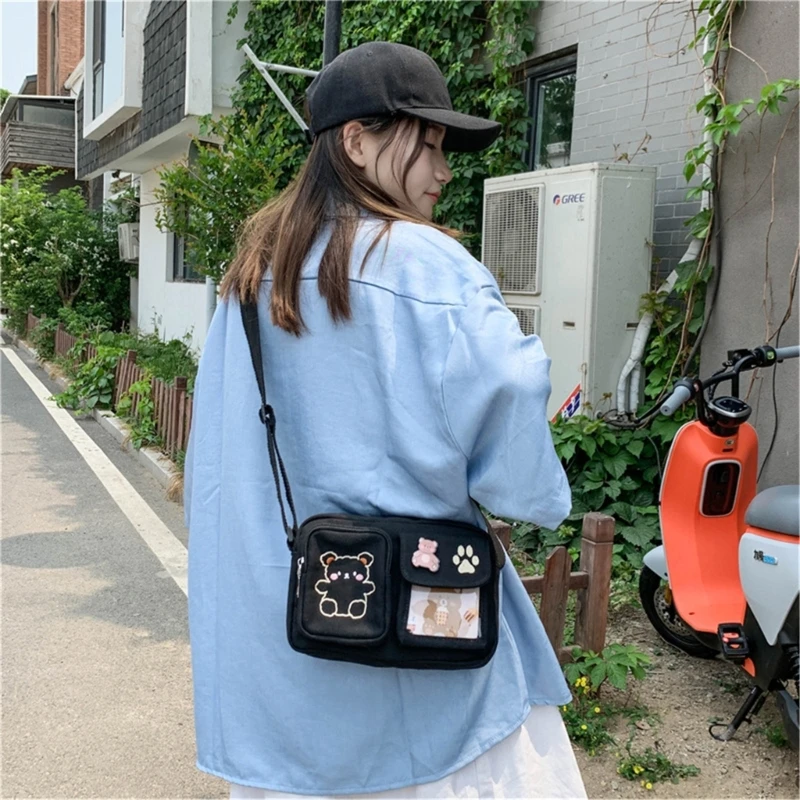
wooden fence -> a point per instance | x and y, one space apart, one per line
172 406
592 582
30 323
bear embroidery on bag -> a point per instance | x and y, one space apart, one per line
424 556
346 585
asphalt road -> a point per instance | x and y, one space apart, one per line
96 678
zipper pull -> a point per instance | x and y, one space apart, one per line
300 562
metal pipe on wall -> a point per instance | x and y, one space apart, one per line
333 31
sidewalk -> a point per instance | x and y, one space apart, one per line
96 666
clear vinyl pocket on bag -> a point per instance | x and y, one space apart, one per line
446 597
344 585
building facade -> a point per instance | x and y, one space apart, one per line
153 68
37 123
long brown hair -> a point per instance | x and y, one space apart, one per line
329 188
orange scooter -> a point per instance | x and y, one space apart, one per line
726 580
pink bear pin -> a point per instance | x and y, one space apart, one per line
425 556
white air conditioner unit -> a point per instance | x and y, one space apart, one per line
570 250
128 237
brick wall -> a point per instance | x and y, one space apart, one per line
69 45
634 78
70 39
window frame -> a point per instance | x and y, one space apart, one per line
134 17
535 76
178 267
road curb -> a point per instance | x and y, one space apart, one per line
162 468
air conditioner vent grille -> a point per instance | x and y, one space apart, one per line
529 318
511 239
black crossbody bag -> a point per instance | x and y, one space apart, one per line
384 591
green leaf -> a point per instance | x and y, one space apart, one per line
615 465
597 674
617 676
635 448
638 536
589 446
624 511
566 451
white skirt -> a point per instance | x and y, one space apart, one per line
536 760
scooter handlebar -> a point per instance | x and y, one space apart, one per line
678 397
787 352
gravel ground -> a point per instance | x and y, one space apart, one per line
688 694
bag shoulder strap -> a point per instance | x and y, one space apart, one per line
267 416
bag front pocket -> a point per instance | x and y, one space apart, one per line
446 596
344 585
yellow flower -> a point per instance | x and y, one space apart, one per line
637 769
648 785
584 727
597 709
563 708
586 690
641 782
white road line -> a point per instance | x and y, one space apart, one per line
168 549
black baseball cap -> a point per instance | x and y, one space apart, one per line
381 78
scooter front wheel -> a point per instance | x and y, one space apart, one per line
660 610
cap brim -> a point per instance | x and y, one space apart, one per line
465 134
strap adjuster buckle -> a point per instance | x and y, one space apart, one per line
267 416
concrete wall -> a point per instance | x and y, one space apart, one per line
742 316
227 60
174 308
634 78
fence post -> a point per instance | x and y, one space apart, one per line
596 552
502 530
555 591
180 413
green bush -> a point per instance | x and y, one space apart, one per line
43 338
57 253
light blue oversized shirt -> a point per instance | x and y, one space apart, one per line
430 395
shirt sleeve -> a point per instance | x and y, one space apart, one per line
495 390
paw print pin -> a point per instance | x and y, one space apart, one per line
466 560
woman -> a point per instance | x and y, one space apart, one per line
402 385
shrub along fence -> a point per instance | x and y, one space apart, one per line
592 580
172 405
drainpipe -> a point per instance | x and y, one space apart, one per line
631 377
332 34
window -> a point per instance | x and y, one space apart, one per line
108 35
182 269
551 100
53 112
183 266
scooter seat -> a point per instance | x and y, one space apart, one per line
776 509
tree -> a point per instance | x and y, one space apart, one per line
56 253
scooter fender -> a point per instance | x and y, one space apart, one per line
656 560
